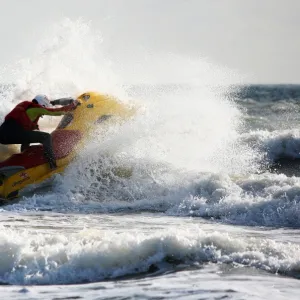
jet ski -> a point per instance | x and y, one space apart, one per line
30 167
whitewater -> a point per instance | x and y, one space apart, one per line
210 209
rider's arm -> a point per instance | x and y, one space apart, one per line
35 112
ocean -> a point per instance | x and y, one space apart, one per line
210 209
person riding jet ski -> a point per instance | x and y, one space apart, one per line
20 124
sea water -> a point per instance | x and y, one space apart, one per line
203 214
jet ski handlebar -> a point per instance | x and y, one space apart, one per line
65 101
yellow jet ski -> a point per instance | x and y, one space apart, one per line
30 166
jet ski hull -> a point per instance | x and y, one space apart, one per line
30 166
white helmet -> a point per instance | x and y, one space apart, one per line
42 100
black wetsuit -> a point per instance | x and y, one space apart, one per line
13 133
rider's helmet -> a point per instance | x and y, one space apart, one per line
42 100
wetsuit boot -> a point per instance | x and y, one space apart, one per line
48 152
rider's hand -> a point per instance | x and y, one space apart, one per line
74 104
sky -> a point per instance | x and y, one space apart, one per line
257 38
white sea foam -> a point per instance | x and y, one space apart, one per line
92 255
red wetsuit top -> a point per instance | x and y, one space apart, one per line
21 117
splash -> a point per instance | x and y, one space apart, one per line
66 62
184 125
